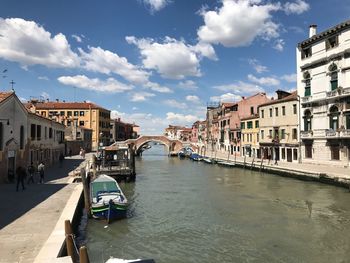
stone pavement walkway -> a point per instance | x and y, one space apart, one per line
28 217
331 171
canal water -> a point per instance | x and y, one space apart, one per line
184 211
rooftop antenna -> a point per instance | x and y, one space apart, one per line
12 83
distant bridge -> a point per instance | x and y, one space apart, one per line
174 146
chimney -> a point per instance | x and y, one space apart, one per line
312 31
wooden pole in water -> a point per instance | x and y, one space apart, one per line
69 239
86 190
251 167
83 255
245 156
261 163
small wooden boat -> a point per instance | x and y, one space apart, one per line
107 199
208 160
196 157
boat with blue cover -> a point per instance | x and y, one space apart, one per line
196 157
107 199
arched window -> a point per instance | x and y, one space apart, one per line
307 80
307 120
333 71
334 118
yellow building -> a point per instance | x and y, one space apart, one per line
84 114
250 136
279 127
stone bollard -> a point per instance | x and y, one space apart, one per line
83 255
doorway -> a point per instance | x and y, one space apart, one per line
11 169
289 155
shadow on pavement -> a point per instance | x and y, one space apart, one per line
15 204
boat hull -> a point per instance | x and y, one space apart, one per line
109 212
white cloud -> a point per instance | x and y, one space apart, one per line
193 98
205 50
81 81
290 78
279 45
257 66
156 5
238 22
77 38
227 97
241 88
107 62
172 59
43 78
175 104
156 87
298 7
181 119
265 81
141 96
135 108
188 84
28 43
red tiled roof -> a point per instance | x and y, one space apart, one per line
66 105
292 96
5 95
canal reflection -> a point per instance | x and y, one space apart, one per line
183 211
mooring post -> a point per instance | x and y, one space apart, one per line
69 239
245 156
261 163
251 167
83 255
86 190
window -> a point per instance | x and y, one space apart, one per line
21 137
306 52
307 121
69 113
283 134
257 137
270 112
69 123
243 137
262 134
284 110
62 113
38 132
242 125
307 80
32 131
50 133
251 110
81 123
256 124
270 133
334 118
78 134
76 113
347 120
81 113
332 42
249 125
334 76
294 134
308 150
294 109
262 113
45 132
276 112
283 153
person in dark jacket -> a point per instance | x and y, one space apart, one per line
21 175
31 171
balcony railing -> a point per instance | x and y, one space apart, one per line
331 133
345 133
306 134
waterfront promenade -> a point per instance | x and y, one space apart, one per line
28 217
333 173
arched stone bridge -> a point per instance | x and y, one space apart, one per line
174 146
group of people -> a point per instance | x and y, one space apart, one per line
21 173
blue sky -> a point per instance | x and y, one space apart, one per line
156 62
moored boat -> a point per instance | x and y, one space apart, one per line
196 157
107 199
208 160
230 164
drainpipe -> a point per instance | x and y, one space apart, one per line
299 129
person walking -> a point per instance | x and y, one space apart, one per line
31 171
41 171
21 174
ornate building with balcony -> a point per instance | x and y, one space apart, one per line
323 80
279 126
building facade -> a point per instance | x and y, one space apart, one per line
121 131
279 128
323 79
250 136
86 114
